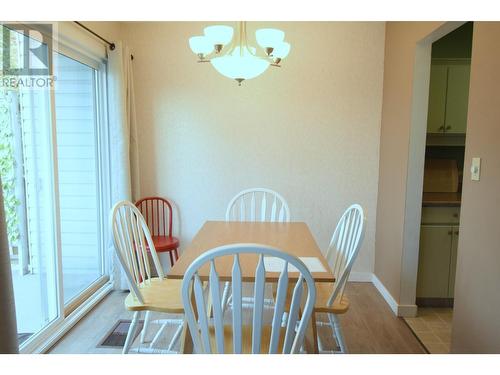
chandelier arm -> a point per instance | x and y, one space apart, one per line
231 46
259 51
226 50
256 54
240 41
243 37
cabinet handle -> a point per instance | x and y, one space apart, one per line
448 127
441 128
450 232
456 232
455 215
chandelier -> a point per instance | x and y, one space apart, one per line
234 57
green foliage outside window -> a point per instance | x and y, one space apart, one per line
7 159
7 169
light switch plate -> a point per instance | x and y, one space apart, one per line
475 169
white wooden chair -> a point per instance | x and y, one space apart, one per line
258 204
211 335
130 235
342 253
255 204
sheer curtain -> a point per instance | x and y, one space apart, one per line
8 326
124 174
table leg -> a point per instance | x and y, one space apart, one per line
311 336
186 341
187 346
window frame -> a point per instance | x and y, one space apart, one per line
102 153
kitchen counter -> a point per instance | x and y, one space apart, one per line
441 199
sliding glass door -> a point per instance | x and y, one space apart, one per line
53 164
27 169
79 175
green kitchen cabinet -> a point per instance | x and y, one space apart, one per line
434 261
437 98
437 258
453 261
457 98
448 96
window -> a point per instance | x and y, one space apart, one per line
79 180
54 166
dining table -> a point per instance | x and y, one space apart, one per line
293 238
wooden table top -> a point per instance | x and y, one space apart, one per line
294 238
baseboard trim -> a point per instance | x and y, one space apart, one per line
361 277
407 311
386 295
404 311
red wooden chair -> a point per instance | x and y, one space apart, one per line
157 212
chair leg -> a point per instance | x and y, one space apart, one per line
171 258
165 323
176 336
176 255
158 335
131 332
320 345
147 319
334 320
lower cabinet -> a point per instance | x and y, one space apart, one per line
453 261
437 261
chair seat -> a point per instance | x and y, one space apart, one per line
246 334
165 243
159 295
323 293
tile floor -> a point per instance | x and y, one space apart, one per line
432 326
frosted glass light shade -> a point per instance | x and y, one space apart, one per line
269 37
200 44
281 50
219 34
235 66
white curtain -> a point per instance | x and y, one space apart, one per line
123 140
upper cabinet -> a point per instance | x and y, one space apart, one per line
448 96
457 98
437 98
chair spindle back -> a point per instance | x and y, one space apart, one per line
344 247
157 213
132 239
258 204
199 328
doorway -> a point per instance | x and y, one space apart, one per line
431 236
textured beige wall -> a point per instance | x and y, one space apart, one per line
400 45
309 130
476 323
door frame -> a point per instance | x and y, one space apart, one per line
415 174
